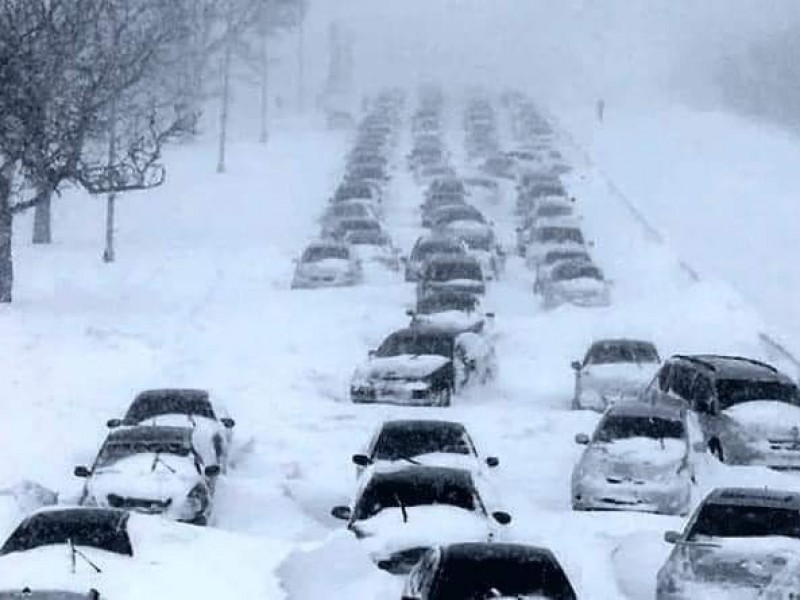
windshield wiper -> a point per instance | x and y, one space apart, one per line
402 506
407 459
74 552
157 459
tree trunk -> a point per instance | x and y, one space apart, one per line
42 231
6 219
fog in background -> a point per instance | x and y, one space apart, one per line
737 54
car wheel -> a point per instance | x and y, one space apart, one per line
715 448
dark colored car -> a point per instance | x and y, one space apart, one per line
451 273
481 571
427 246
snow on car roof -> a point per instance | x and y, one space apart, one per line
155 433
755 496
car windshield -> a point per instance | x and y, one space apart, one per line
459 213
727 520
502 576
619 427
148 407
88 529
398 442
412 491
114 450
737 391
437 247
421 344
349 210
559 235
353 191
367 237
609 353
554 257
444 302
447 271
478 241
319 253
554 210
360 225
576 270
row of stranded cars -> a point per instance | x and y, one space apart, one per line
421 481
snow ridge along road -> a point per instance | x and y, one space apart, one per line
202 298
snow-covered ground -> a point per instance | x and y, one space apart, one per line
200 297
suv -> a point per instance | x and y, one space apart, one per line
736 542
747 410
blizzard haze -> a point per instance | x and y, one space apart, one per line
563 50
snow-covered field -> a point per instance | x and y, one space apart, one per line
200 297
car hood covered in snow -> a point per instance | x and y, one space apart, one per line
622 373
141 476
328 266
767 419
427 526
634 457
402 367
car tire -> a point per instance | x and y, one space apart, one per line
715 448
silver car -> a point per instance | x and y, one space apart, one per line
735 544
327 264
638 459
613 370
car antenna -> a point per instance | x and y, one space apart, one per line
74 552
403 510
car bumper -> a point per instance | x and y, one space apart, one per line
306 283
600 399
405 394
652 497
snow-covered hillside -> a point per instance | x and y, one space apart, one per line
200 297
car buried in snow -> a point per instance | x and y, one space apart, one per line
553 236
427 246
399 514
212 427
638 459
441 217
430 442
372 246
451 273
578 283
451 310
735 544
152 470
481 244
613 370
748 412
424 366
479 570
482 189
553 258
327 263
347 209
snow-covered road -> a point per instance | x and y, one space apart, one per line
200 296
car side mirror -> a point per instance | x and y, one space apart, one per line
82 472
501 517
212 470
114 423
342 513
362 460
576 365
672 537
582 439
490 315
411 313
492 461
228 422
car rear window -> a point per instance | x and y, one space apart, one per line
737 391
726 520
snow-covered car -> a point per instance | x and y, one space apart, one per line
499 166
430 442
153 470
427 246
451 310
747 411
451 273
553 237
638 459
445 215
349 209
438 202
357 190
326 263
399 514
446 185
480 570
212 426
550 210
374 247
737 541
613 370
424 366
551 259
345 226
426 173
481 244
579 283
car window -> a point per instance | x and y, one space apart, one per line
81 529
664 376
382 494
725 520
682 378
737 391
702 394
147 407
413 441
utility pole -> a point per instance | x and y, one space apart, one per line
111 199
226 91
301 66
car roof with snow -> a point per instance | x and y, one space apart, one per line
742 496
645 410
494 550
152 403
424 329
734 367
